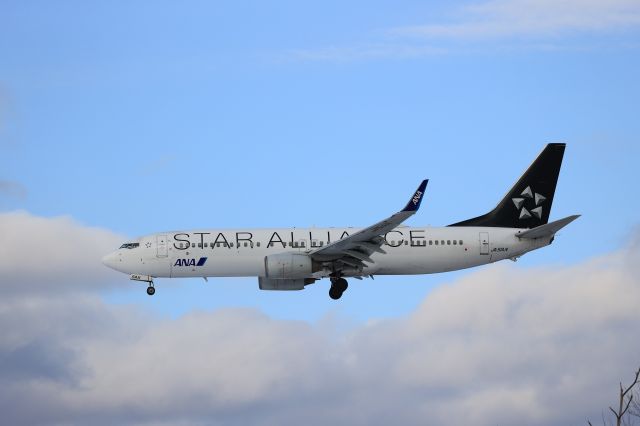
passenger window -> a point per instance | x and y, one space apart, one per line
321 243
436 242
454 242
441 242
206 244
246 244
230 244
199 245
193 245
460 242
406 243
430 242
448 242
302 244
270 245
258 244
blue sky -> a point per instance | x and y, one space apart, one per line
124 118
139 117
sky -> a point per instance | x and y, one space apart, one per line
124 118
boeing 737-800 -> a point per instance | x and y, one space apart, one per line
292 258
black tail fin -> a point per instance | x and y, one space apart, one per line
528 203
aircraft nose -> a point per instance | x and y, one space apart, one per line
111 260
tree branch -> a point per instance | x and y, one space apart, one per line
635 382
615 413
627 407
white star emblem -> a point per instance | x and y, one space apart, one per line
529 194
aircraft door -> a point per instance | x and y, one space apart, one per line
484 243
161 245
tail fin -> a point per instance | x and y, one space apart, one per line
528 203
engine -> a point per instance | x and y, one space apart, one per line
284 266
269 284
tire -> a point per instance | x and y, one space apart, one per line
342 285
334 293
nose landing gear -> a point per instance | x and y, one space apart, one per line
146 279
338 286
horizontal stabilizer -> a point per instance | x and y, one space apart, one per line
548 229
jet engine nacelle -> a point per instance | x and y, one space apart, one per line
270 284
288 266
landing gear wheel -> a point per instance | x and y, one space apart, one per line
338 286
334 293
151 291
342 285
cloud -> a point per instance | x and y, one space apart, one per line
505 345
52 254
534 18
536 24
13 189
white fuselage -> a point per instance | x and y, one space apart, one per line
242 252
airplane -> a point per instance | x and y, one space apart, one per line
292 258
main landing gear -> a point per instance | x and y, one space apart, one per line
151 290
338 286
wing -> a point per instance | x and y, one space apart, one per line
356 249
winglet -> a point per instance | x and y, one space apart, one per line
414 203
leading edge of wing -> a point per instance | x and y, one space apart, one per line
372 234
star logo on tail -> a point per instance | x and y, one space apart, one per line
529 197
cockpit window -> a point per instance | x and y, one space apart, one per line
130 245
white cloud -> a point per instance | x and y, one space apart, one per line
53 254
537 18
533 24
505 345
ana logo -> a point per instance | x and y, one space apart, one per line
536 200
417 197
190 262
